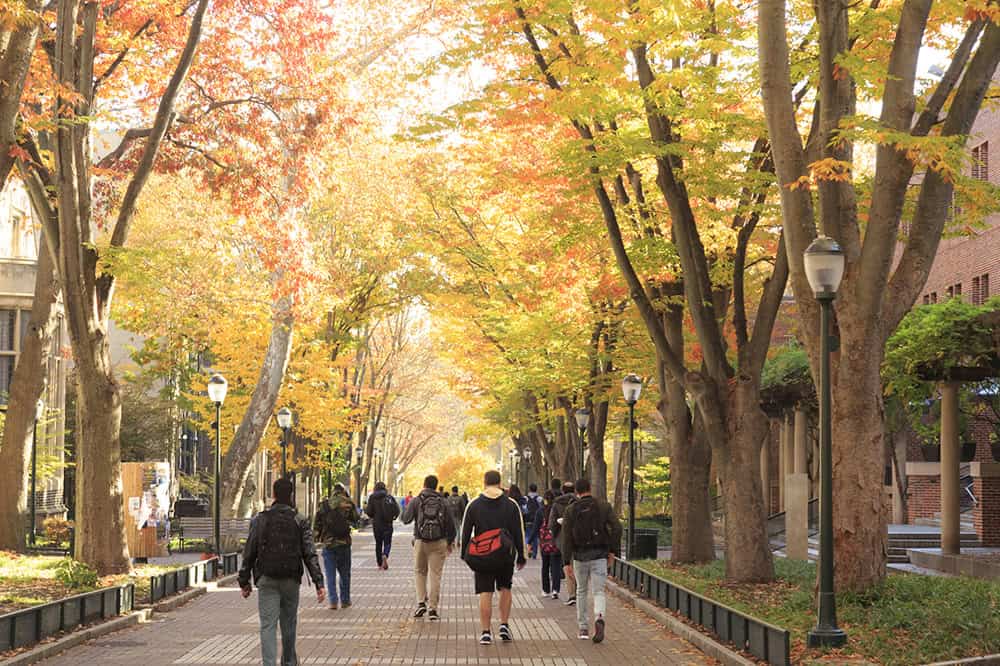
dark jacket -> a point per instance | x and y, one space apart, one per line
611 530
559 507
251 565
490 511
413 512
380 511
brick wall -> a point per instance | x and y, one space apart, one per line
923 497
986 515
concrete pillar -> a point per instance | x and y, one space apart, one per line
797 493
950 457
765 473
782 460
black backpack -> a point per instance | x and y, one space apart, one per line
589 529
335 523
279 552
430 518
389 509
457 505
532 505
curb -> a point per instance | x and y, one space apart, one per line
46 650
177 600
987 660
708 645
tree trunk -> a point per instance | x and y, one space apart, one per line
99 509
748 553
860 514
239 455
598 467
26 387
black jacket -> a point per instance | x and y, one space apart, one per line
559 507
413 511
611 529
494 510
250 564
380 511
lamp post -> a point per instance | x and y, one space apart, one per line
217 387
631 389
285 423
526 456
514 456
582 421
377 463
182 458
358 453
39 415
824 267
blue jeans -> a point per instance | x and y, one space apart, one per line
552 572
590 576
532 541
337 560
277 602
383 543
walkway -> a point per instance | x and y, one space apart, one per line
221 627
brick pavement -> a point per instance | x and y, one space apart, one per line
221 627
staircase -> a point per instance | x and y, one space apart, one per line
930 537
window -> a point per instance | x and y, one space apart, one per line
927 299
980 289
954 290
981 161
933 297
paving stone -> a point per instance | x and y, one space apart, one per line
220 628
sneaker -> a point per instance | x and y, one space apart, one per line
555 595
332 606
385 564
421 610
432 615
571 601
486 638
584 635
545 595
345 604
599 630
505 634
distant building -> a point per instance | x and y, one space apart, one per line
20 240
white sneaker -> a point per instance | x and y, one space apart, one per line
545 595
555 595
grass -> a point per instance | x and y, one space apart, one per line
907 619
29 580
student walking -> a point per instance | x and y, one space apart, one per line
591 541
332 526
383 509
434 539
492 545
559 507
552 569
279 542
457 504
532 518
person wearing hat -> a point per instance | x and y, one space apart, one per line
333 523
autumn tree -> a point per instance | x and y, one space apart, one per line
867 58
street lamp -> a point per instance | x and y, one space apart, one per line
582 421
285 423
526 456
39 415
515 455
217 387
824 267
631 389
359 452
377 462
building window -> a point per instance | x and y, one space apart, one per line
933 297
954 290
981 161
980 289
927 299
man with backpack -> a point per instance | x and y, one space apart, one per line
383 509
592 537
278 544
560 505
457 504
332 526
532 518
492 545
434 539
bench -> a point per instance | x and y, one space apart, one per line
203 529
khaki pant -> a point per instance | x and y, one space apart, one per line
428 564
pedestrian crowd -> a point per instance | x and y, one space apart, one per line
576 534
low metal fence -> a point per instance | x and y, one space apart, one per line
27 627
178 580
230 563
762 640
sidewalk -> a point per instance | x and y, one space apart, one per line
221 627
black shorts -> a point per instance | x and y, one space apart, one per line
494 580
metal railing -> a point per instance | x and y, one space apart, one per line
776 525
230 563
178 580
761 639
27 627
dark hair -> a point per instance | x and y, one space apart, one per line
533 487
431 482
380 485
515 492
454 489
282 490
556 485
568 487
547 500
492 478
582 486
447 494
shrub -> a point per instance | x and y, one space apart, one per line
75 575
57 530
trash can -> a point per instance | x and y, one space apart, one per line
644 546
